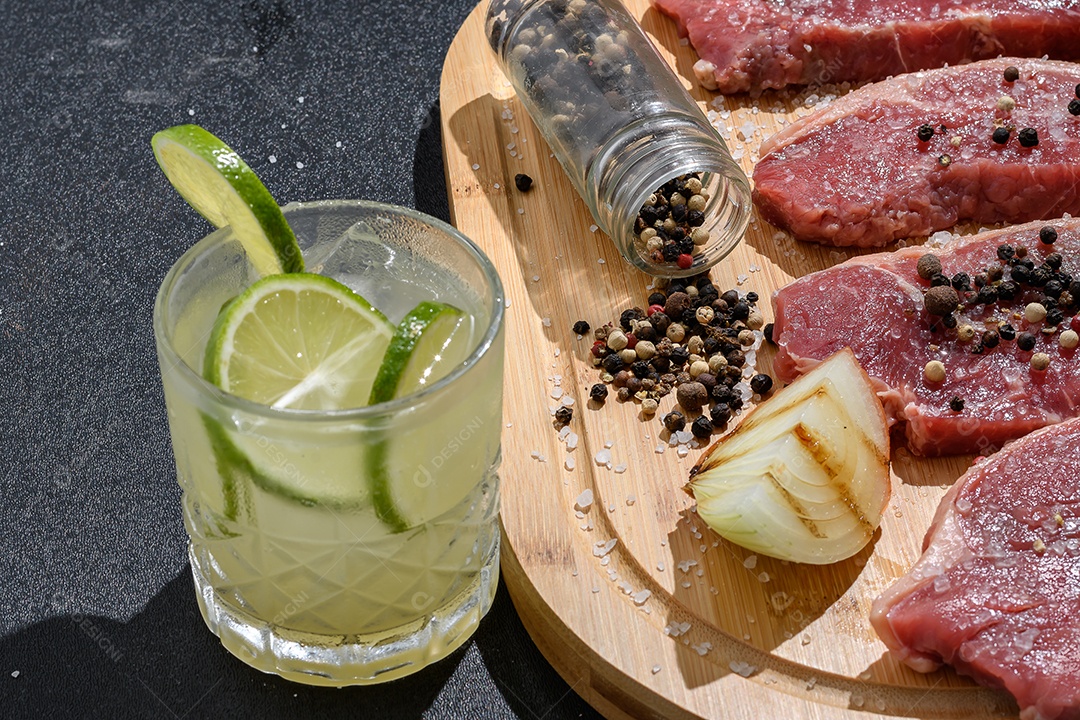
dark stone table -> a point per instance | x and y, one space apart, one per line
324 99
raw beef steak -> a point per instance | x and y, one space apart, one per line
750 45
856 172
991 393
996 593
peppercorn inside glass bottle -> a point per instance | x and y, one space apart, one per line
655 174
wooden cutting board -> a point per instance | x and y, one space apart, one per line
672 621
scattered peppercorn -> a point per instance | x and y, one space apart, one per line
702 427
990 339
1012 74
674 421
1040 361
1069 339
692 396
1048 235
944 160
768 332
934 371
564 414
928 266
581 327
761 384
1028 137
1035 312
941 300
1007 332
1025 341
1078 91
598 392
523 182
925 132
956 404
1074 107
1001 135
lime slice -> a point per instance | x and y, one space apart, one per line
431 341
220 185
298 341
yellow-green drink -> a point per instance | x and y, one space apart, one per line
342 546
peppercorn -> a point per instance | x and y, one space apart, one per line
949 321
740 311
956 404
987 295
1008 290
1054 260
944 160
735 358
674 421
941 300
1001 135
1025 341
768 332
598 392
990 339
1035 312
1012 74
1054 317
1074 107
934 371
925 132
1069 339
679 356
564 414
939 279
928 266
624 394
702 427
1028 137
1078 91
761 384
612 363
523 182
1048 235
581 327
692 396
1007 332
1040 361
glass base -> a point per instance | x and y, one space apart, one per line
337 660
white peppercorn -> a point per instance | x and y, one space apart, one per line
616 340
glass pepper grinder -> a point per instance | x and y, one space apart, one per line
655 174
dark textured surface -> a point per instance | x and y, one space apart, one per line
97 613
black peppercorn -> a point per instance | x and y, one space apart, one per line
658 298
1054 317
939 280
702 427
1039 277
612 363
740 311
598 392
960 281
1054 288
925 132
751 297
523 182
1021 274
1007 332
1025 341
1012 73
1007 290
674 421
990 339
1005 252
956 404
730 297
949 321
735 358
988 294
1054 260
695 218
1028 137
564 414
640 369
1001 135
1074 107
720 414
761 383
581 327
767 331
1048 235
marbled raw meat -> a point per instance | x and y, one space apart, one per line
855 172
750 45
874 305
996 593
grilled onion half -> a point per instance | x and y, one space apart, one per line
805 477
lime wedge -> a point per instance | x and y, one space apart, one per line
298 341
220 185
431 341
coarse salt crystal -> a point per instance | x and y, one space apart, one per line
620 469
750 563
603 547
546 322
703 647
584 500
603 457
660 447
594 228
272 159
655 669
556 393
641 596
571 441
631 499
476 166
564 432
570 462
685 565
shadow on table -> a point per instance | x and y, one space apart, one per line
165 663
